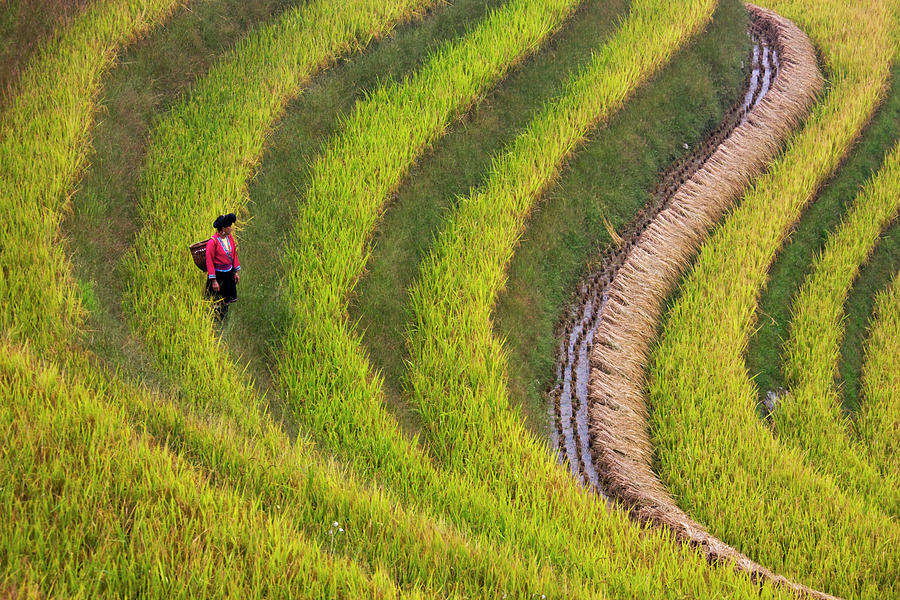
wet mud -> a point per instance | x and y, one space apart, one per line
569 395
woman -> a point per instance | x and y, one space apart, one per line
222 265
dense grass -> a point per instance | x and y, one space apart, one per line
457 368
811 416
147 80
126 492
608 181
228 394
136 520
326 367
292 482
199 160
874 276
504 570
602 182
457 162
807 238
716 457
43 144
879 419
24 26
253 331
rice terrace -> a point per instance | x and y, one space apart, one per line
495 299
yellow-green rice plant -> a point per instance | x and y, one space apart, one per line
811 416
298 485
714 454
208 384
324 500
456 371
328 378
43 144
323 368
878 422
646 581
184 340
199 160
92 507
477 571
457 368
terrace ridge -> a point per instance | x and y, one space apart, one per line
657 255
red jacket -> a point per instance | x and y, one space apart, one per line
219 260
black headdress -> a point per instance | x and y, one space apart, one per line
223 221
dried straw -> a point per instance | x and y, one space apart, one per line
626 327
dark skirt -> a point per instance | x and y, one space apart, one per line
227 291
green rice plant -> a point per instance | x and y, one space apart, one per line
810 416
43 143
324 365
712 452
25 25
200 158
645 580
625 329
478 574
457 368
878 422
322 358
477 571
92 507
298 485
794 260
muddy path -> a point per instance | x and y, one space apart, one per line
598 401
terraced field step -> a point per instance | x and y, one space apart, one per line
569 396
879 418
634 282
710 449
96 505
810 416
43 145
341 397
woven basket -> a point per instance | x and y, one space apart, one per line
198 253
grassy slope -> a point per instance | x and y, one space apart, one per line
151 76
610 179
600 182
211 99
43 145
725 468
473 581
255 326
874 276
807 240
136 520
811 416
457 162
878 422
343 399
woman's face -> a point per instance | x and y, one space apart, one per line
225 231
